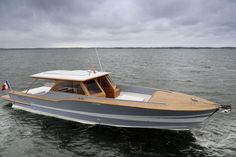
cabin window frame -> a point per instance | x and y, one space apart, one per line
83 86
74 85
112 84
101 93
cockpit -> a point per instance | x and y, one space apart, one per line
100 87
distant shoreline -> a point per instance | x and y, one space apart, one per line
120 48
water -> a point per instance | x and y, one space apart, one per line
208 73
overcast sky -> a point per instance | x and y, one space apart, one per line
117 23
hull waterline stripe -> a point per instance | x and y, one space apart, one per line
50 114
95 123
127 117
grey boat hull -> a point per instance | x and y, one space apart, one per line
112 115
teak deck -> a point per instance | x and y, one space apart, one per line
180 100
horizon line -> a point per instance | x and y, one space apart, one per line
130 47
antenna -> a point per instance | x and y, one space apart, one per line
98 59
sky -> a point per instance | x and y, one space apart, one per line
117 23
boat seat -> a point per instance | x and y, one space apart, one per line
133 96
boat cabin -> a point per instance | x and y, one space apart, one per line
83 82
81 85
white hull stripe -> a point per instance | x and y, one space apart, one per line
94 123
50 114
127 117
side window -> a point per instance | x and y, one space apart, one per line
79 90
92 87
65 87
69 87
103 82
111 82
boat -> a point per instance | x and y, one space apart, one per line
91 97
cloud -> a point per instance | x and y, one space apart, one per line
63 23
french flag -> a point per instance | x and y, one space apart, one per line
5 86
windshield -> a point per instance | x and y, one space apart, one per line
92 87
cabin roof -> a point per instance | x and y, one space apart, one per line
72 75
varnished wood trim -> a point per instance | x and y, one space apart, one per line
101 94
6 97
84 88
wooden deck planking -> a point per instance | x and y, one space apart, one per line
180 100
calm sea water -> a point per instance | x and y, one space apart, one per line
208 73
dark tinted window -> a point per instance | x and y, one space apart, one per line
92 87
65 87
79 89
